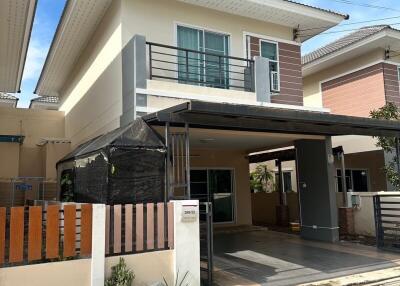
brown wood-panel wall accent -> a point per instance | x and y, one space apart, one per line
86 229
107 230
2 234
366 87
139 227
35 233
160 226
53 232
170 207
16 235
150 226
145 227
69 230
43 225
391 81
117 228
291 81
128 228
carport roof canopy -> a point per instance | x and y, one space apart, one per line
225 116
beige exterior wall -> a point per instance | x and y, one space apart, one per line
160 26
148 268
182 92
312 83
53 152
74 272
29 159
9 163
240 165
92 97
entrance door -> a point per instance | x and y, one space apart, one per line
214 186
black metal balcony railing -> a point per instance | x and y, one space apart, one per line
200 68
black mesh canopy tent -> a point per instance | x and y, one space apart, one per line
126 165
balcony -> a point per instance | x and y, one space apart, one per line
185 66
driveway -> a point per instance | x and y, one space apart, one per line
262 257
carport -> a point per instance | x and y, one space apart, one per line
220 136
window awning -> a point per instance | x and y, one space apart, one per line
226 116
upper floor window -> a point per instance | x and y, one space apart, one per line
205 68
270 50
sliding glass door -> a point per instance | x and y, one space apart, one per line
216 186
204 69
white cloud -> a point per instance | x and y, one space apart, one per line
34 60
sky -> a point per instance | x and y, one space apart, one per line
48 13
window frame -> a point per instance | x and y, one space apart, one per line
352 180
278 72
204 29
233 178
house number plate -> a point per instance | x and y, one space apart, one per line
189 213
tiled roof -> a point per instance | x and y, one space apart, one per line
343 42
321 9
7 97
47 99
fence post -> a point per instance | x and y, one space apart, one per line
187 241
98 243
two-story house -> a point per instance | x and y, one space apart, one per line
217 80
352 76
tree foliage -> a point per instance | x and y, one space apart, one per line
261 179
389 112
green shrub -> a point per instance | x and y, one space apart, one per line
120 275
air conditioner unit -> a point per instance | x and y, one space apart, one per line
275 81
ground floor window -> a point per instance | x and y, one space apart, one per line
216 186
286 180
356 180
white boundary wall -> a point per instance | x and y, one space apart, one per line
364 219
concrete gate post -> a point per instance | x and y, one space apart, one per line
317 198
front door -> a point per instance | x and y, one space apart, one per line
215 186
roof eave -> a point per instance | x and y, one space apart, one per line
25 43
308 11
309 68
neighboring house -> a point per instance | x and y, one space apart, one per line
352 76
7 100
30 140
45 102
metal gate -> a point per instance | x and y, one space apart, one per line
178 187
206 243
387 221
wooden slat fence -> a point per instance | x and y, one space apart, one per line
39 234
139 228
